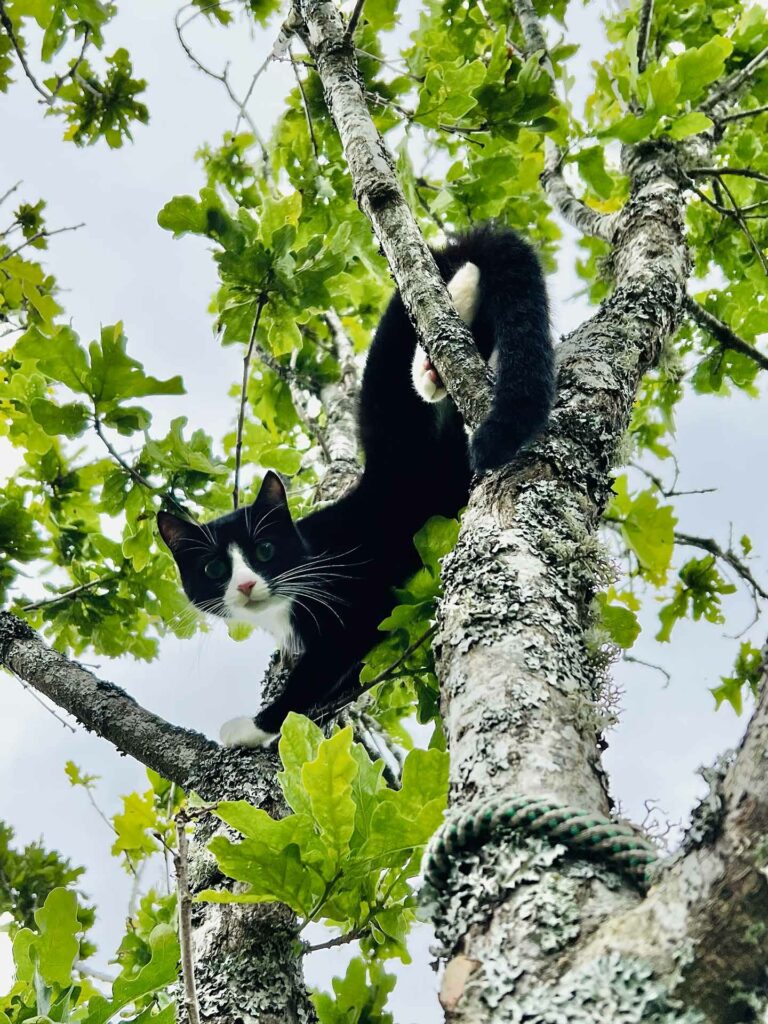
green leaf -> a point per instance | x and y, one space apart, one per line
689 124
133 826
407 818
619 622
56 946
70 420
299 743
328 783
647 527
436 539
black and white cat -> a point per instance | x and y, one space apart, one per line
323 584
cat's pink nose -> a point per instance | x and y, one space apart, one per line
246 588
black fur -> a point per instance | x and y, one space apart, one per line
418 463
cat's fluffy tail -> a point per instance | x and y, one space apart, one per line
511 329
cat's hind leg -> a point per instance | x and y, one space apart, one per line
464 289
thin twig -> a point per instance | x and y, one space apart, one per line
643 34
340 940
92 972
649 664
305 104
61 79
745 227
10 192
243 397
223 77
40 234
33 693
740 172
663 489
7 24
728 556
740 114
133 473
723 333
45 602
181 863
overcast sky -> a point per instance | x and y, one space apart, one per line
122 266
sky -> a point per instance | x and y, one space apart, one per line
123 266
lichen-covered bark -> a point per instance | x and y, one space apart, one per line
245 964
246 968
705 922
443 334
522 692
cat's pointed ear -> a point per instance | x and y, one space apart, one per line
174 531
272 491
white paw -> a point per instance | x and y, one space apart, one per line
425 378
243 732
463 289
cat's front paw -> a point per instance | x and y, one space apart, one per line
243 732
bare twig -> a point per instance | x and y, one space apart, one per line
73 70
669 492
340 940
643 34
741 114
51 711
723 333
305 104
67 594
93 972
37 236
7 24
735 81
745 227
243 397
649 664
10 192
727 211
181 864
133 473
223 77
720 172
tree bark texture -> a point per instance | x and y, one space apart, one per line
443 334
523 694
245 965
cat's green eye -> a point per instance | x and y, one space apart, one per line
264 550
216 570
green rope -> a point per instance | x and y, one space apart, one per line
583 833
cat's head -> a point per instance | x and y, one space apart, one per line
241 565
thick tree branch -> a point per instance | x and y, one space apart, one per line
102 707
713 901
734 82
339 401
516 680
723 333
573 210
443 334
270 987
244 396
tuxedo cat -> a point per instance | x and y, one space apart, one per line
322 585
